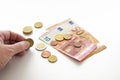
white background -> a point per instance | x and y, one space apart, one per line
99 17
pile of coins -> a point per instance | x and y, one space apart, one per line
68 43
40 46
71 40
61 37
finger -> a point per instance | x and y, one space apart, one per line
20 54
9 42
16 37
20 47
1 41
8 35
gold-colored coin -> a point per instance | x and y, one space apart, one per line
59 37
40 47
80 32
67 36
38 24
27 30
52 58
30 41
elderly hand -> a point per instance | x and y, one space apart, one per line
11 44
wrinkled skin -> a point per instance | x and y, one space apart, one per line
11 44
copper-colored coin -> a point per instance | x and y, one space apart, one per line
77 44
46 54
76 29
80 32
54 43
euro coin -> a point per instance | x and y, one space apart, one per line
77 44
52 58
27 30
59 37
67 36
30 41
54 43
38 24
80 32
46 54
40 47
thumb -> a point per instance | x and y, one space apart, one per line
20 47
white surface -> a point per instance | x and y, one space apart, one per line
101 18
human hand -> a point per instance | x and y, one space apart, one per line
11 44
